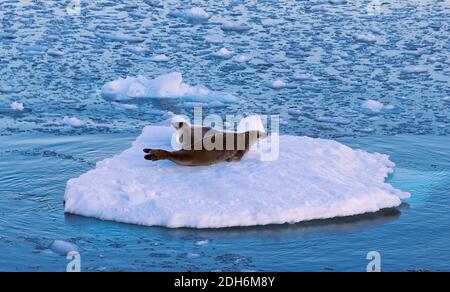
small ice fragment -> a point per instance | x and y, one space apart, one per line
194 14
278 84
413 69
242 58
334 120
366 37
223 53
119 37
73 121
233 26
192 255
202 242
17 106
295 112
372 105
303 76
55 53
125 105
137 50
160 58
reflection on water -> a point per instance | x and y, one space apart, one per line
341 225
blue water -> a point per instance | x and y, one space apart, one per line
39 153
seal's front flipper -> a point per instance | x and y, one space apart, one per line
156 154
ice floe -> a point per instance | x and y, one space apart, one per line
73 121
235 26
279 84
223 53
55 52
17 106
303 76
413 69
366 37
119 37
194 14
333 120
311 179
169 85
160 58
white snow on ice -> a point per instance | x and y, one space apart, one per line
312 179
165 86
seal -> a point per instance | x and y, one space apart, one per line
213 146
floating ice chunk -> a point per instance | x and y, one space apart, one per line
119 37
295 112
432 59
55 53
7 35
194 14
413 69
165 86
32 48
63 247
375 30
303 76
446 98
137 49
242 58
202 242
160 58
294 188
367 130
73 121
8 89
234 26
192 255
366 37
279 84
213 39
125 105
17 106
334 120
372 105
223 53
